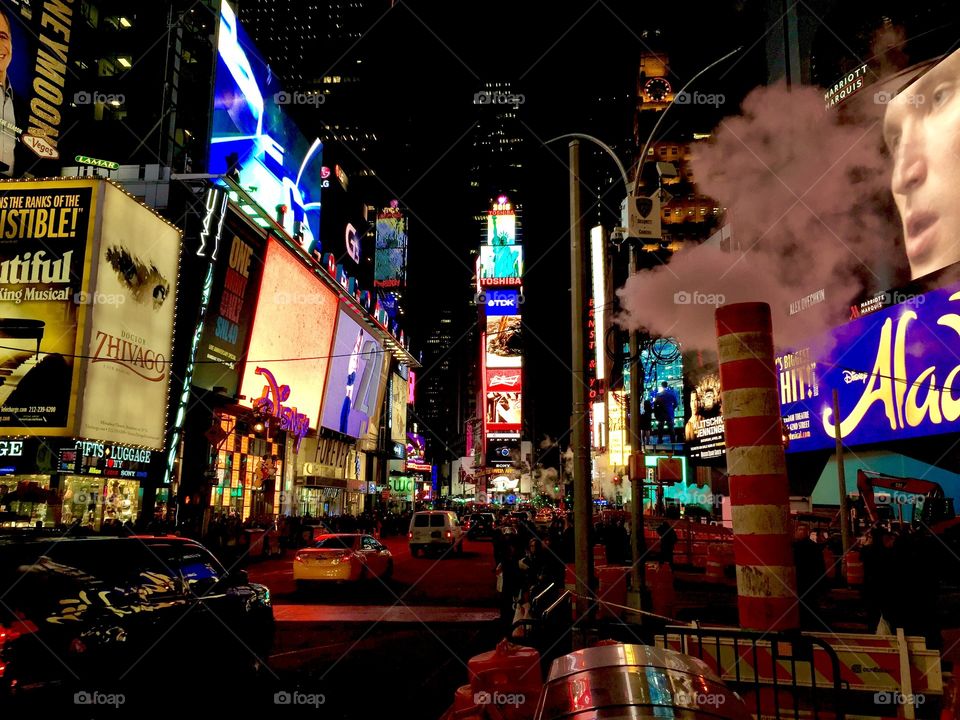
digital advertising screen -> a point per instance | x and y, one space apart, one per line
500 265
390 261
36 54
504 342
233 302
131 333
355 378
416 453
503 453
504 411
45 257
502 302
703 430
501 229
896 373
398 408
254 137
504 379
292 333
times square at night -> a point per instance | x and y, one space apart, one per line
363 359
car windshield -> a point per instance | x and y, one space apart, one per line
336 542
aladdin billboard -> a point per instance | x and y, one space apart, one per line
895 371
87 296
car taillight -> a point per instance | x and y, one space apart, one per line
449 534
298 558
9 633
410 535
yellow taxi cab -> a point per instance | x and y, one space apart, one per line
342 557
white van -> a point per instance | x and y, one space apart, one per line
437 530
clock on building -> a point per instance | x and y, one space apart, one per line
656 89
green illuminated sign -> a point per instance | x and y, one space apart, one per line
84 160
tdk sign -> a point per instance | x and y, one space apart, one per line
503 302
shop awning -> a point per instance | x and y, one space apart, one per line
827 491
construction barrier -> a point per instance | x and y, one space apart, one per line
662 594
853 568
612 580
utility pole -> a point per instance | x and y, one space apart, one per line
638 541
582 503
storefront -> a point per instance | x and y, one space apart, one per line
245 469
328 479
57 481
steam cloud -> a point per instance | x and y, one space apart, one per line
808 199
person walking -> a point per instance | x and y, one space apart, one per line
664 408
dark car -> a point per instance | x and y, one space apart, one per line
481 525
82 615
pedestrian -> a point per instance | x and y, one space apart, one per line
664 408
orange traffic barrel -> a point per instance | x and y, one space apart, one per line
660 580
853 568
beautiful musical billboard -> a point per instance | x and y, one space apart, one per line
47 238
895 372
131 332
504 346
255 141
355 381
703 431
292 333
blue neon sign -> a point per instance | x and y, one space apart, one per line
896 372
502 302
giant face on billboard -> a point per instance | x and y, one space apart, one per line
500 265
131 332
46 243
34 61
233 301
895 372
356 376
254 139
504 342
293 326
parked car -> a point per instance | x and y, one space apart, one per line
342 557
436 530
481 525
95 612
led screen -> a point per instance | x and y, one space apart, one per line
390 261
501 229
292 333
356 374
502 302
504 380
253 136
504 342
500 265
503 412
895 372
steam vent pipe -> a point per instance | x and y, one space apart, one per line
759 492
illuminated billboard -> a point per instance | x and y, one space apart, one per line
416 453
256 141
36 59
233 302
500 265
504 412
703 431
293 326
398 408
503 453
131 334
501 228
502 302
390 261
45 251
504 379
355 381
504 342
895 372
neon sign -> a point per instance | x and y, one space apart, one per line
271 403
